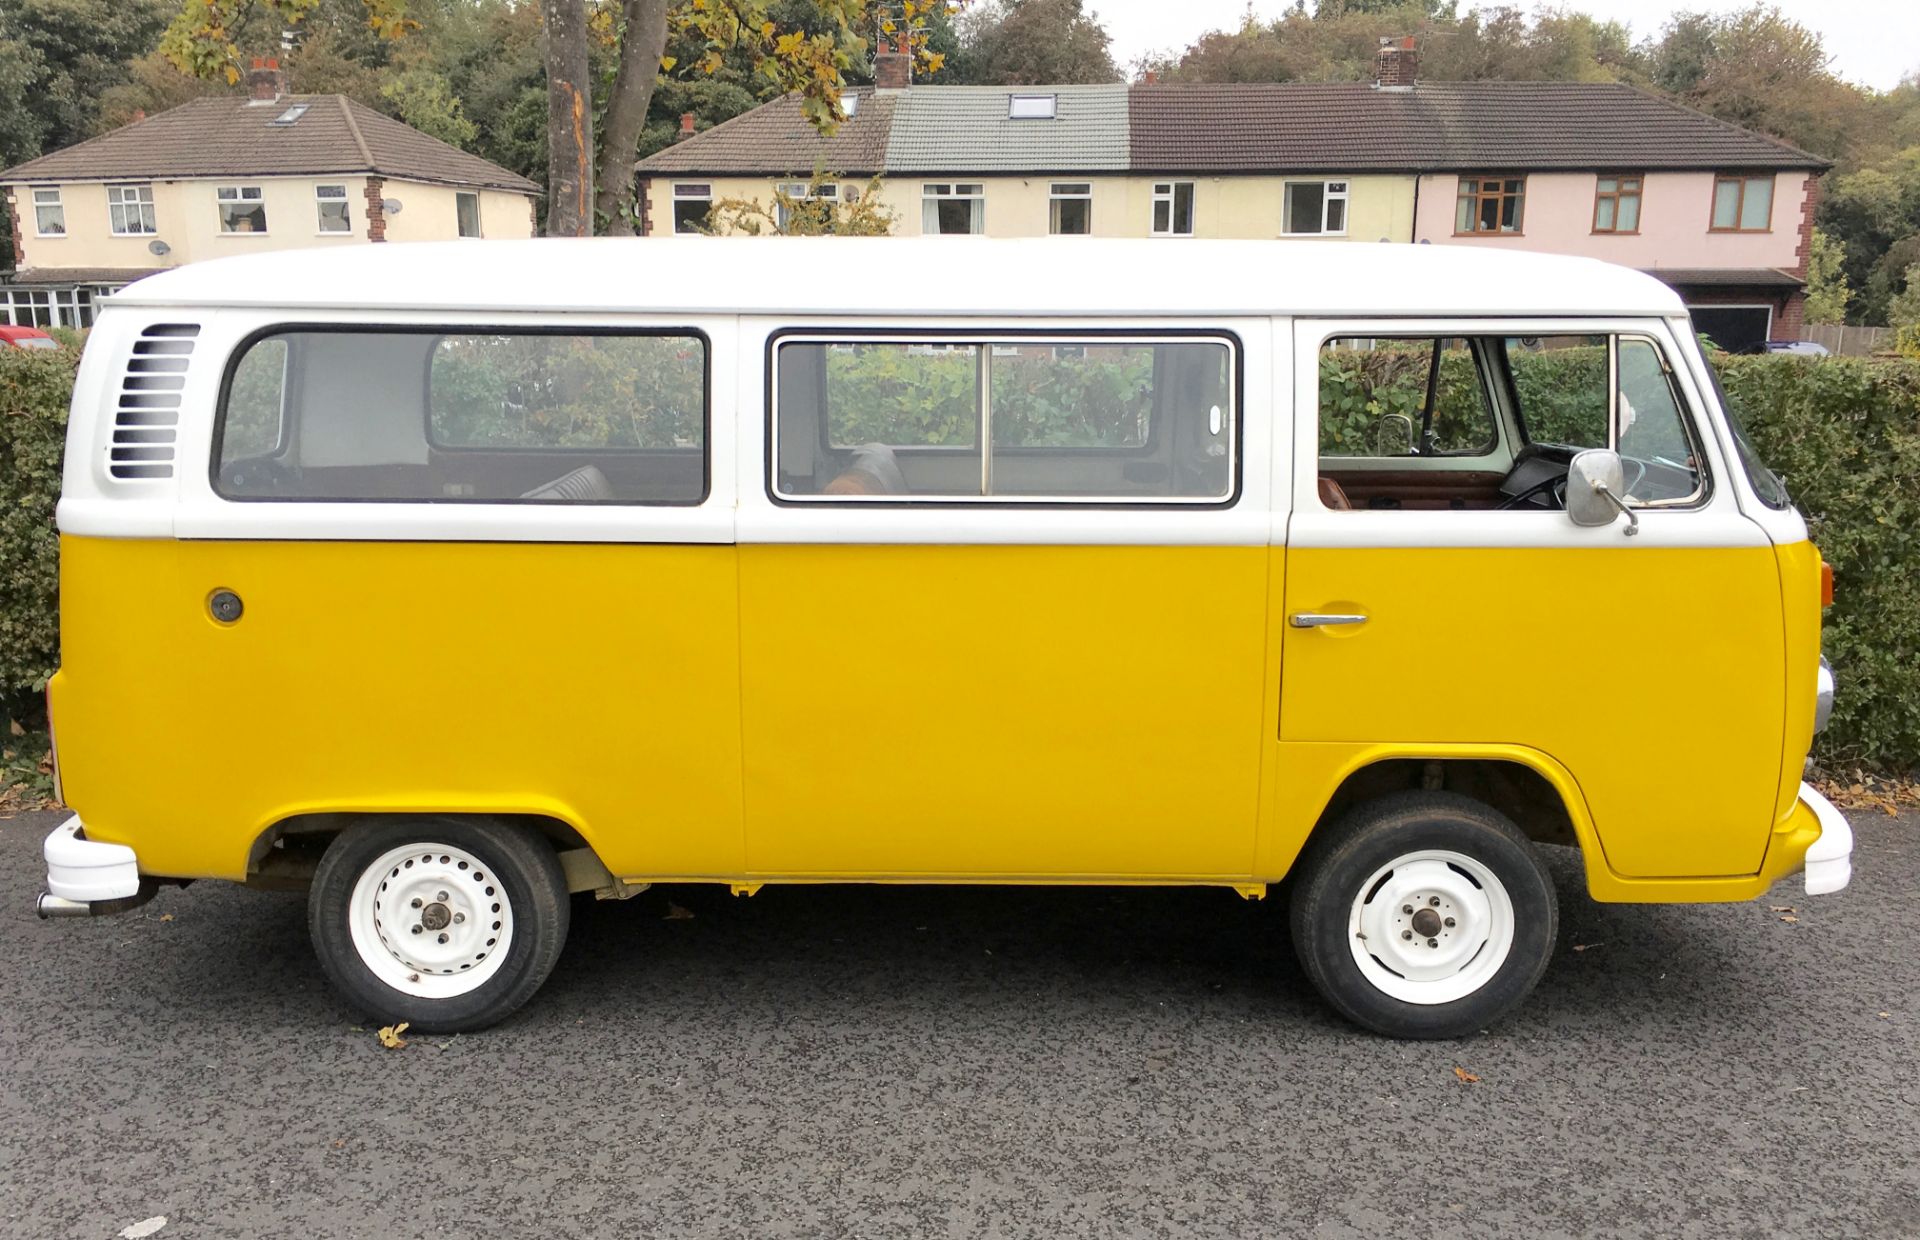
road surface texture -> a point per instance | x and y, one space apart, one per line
877 1062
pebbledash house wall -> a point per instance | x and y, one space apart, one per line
188 221
1241 207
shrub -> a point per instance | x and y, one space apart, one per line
35 387
1845 434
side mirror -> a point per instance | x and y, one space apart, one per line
1393 435
1595 480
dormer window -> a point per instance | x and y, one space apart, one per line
1031 107
850 105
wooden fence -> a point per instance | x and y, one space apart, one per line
1849 341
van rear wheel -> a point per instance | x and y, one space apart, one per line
1423 915
448 924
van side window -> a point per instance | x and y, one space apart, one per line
1421 396
497 416
1027 419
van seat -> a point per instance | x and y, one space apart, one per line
874 470
584 483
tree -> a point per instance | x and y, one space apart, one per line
69 53
1034 42
859 214
588 179
1827 291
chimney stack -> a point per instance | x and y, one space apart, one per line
686 127
265 82
893 66
1150 78
1396 65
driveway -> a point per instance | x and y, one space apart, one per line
836 1062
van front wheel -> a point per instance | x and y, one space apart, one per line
1423 915
444 923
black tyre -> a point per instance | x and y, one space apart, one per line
449 924
1423 915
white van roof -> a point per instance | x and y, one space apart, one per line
1080 276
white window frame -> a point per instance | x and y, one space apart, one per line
63 307
242 195
1168 192
320 220
689 191
478 229
1240 449
134 198
1068 191
935 192
40 204
1328 196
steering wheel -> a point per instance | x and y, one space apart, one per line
1556 483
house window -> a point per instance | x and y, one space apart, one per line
331 203
1173 208
60 307
49 214
466 214
1031 107
953 208
242 209
130 210
787 202
1314 208
691 203
1616 205
1070 209
1489 205
1743 203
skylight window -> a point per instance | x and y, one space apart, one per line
291 115
850 104
1030 107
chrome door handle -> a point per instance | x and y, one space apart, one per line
1324 619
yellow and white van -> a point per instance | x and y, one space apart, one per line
446 580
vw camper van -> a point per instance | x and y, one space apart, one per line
449 581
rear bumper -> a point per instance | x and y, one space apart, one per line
1829 862
84 871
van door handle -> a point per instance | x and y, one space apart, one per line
1324 619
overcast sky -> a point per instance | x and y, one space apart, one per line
1872 42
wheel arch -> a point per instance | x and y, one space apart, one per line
1530 787
284 853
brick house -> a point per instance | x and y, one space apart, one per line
228 175
1599 169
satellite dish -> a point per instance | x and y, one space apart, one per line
390 205
158 248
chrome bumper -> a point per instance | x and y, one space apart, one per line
1829 864
86 878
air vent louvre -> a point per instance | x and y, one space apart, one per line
147 410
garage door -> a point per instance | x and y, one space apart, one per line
1737 329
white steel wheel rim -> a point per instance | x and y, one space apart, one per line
1431 927
430 920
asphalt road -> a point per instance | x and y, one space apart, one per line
930 1063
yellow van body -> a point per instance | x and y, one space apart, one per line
754 687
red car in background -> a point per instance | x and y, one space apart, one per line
26 338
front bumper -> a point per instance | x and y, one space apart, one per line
87 878
1829 863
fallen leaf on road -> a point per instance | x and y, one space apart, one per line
1466 1077
1783 908
1790 919
676 913
1886 1016
341 1144
166 917
145 1227
1580 947
390 1038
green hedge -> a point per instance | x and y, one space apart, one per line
1844 432
35 388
